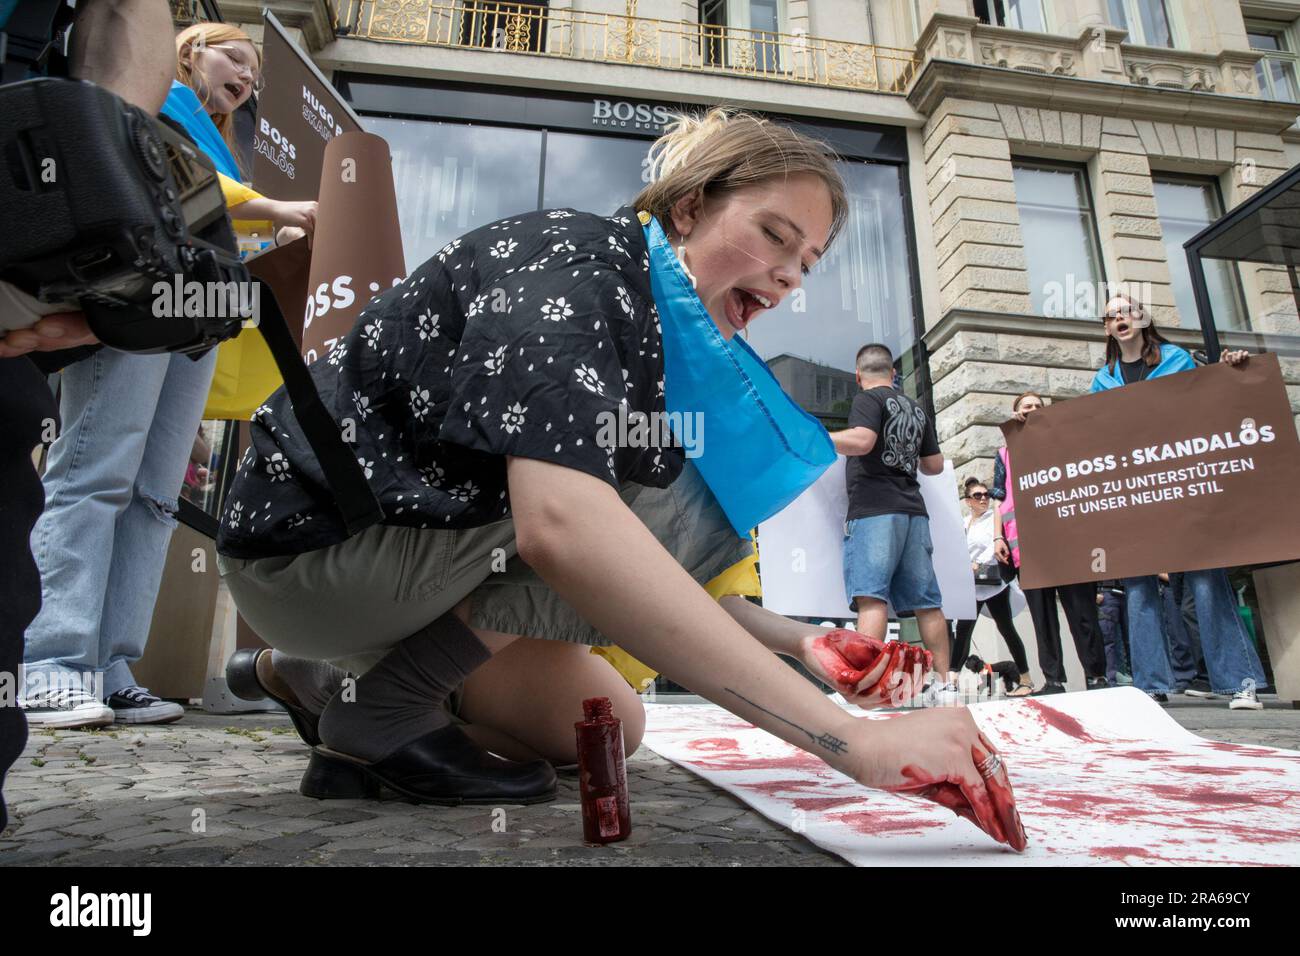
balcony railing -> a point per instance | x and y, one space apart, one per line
614 38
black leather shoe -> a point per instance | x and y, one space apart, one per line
1049 688
443 767
241 678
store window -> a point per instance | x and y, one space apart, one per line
1016 14
1147 21
594 173
859 292
506 152
1276 72
453 177
1187 205
1062 250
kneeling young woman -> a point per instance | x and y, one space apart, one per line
515 537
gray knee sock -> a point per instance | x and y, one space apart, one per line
401 698
313 682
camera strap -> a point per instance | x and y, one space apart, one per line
30 36
353 495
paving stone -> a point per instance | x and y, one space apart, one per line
135 803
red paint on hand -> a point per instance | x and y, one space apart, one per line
847 657
991 805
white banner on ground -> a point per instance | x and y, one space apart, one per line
1101 777
802 549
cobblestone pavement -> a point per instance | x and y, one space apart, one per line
222 789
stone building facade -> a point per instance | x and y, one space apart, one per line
977 86
1122 114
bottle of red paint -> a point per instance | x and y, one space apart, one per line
602 774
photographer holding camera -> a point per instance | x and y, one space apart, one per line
114 472
126 59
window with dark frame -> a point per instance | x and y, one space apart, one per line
756 47
1186 205
516 27
1014 14
1148 22
1062 247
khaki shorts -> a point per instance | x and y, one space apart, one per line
351 602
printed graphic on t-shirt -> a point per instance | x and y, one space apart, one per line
902 435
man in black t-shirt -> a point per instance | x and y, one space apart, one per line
887 548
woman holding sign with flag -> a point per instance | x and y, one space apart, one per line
1136 351
485 390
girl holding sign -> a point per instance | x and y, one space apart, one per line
523 522
1135 351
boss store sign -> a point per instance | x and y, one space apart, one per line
506 106
628 115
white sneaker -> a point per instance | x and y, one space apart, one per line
941 695
135 705
1245 700
64 709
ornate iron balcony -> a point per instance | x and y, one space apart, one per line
613 38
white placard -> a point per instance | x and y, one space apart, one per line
802 549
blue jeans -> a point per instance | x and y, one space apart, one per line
888 557
1111 617
1230 656
111 483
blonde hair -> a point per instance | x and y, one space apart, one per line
724 150
207 34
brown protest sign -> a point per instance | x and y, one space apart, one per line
1189 471
357 249
298 114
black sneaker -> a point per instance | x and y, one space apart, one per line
1049 688
1200 688
1097 683
1160 698
135 705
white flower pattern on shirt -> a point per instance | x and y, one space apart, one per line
557 309
511 340
428 326
277 466
512 418
589 379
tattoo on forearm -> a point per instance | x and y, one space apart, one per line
826 741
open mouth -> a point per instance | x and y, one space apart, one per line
743 304
1122 328
234 89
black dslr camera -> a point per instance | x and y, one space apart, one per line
101 203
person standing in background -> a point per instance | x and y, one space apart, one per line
887 547
983 529
1136 351
115 471
1114 631
1079 600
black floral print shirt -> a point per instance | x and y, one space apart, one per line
523 337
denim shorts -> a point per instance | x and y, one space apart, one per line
889 557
